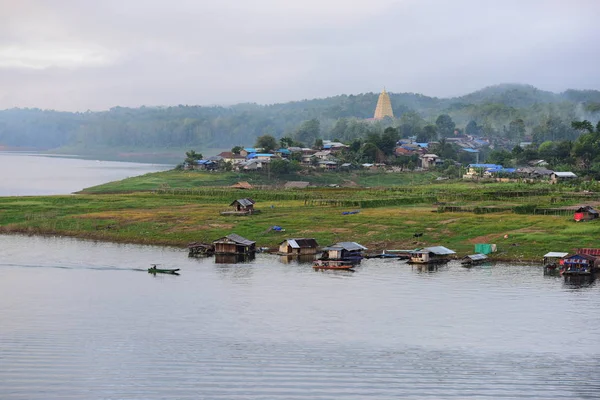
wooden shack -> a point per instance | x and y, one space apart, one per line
297 247
431 255
344 251
243 206
234 244
585 213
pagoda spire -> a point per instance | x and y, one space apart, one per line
384 106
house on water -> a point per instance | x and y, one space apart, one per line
344 251
431 255
297 247
234 244
579 264
585 213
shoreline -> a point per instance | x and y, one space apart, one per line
175 244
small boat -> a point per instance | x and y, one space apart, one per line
336 265
155 270
473 259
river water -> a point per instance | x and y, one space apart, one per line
30 174
84 320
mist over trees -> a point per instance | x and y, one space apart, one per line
503 113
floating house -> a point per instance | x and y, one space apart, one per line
197 249
580 264
431 255
473 259
297 247
234 244
344 251
552 261
586 213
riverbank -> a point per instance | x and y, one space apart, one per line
388 218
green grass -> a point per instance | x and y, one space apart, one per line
393 215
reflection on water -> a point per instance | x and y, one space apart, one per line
297 260
234 258
579 281
84 320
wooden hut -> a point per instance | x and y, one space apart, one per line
431 255
243 206
234 244
585 213
344 251
297 247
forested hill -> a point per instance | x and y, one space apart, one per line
339 117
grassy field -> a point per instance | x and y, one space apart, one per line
176 208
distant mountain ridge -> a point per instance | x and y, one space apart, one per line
219 126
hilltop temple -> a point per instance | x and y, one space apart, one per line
384 106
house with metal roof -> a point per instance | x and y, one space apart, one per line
557 176
431 255
234 244
297 247
344 251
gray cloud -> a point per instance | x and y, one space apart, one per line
85 54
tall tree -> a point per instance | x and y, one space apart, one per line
445 125
266 142
191 157
308 132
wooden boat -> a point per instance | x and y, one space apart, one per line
155 270
336 265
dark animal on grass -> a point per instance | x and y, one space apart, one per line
418 234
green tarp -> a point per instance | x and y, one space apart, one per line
484 248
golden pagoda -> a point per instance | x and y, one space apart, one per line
384 106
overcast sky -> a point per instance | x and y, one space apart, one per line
96 54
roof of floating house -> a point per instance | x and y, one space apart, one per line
559 254
348 246
477 257
237 239
438 250
301 243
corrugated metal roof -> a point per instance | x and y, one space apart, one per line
565 174
301 243
477 257
439 250
244 202
349 246
237 239
556 254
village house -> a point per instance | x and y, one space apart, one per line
245 205
334 146
585 213
328 165
234 244
248 150
431 255
298 247
262 157
283 153
428 161
230 157
344 251
534 172
557 177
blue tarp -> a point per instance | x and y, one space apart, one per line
350 212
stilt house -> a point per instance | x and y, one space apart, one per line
298 246
234 244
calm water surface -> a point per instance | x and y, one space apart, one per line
83 320
30 174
